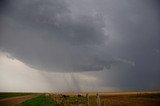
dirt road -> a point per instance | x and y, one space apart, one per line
14 101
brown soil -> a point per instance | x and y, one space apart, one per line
130 102
126 99
14 101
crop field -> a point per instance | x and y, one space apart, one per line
84 99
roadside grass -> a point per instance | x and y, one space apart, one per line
92 100
40 101
74 100
8 95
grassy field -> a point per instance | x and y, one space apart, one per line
90 99
8 95
40 101
110 99
69 100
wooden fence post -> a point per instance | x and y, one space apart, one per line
98 100
87 96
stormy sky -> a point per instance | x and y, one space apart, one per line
79 45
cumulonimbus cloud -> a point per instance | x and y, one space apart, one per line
45 35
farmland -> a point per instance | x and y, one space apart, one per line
8 95
41 100
89 99
12 99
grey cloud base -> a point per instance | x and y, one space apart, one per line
48 35
44 35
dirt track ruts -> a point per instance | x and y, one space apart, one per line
15 100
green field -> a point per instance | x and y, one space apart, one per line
40 101
8 95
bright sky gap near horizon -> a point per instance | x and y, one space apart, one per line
79 45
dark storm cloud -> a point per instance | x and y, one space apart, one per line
121 36
2 4
45 35
137 27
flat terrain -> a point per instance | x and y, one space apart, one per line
41 100
86 99
14 99
9 94
131 99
